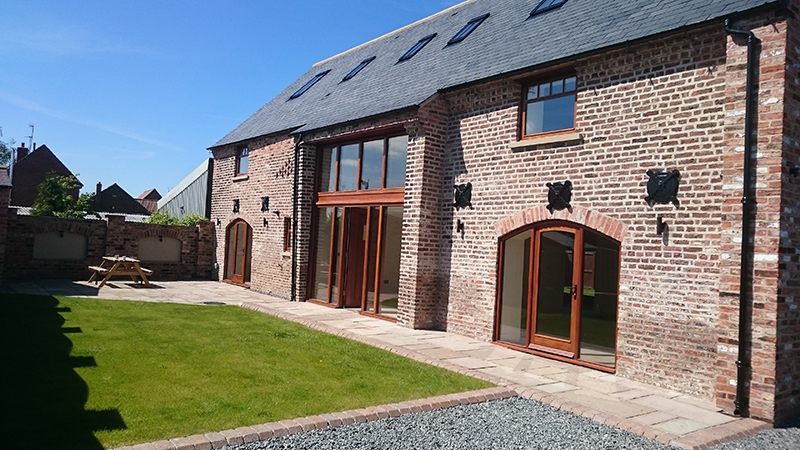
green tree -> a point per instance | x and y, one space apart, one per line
54 198
6 150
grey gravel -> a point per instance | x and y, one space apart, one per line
784 438
514 423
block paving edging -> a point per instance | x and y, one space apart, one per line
698 440
244 435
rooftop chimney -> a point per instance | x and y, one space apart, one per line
21 152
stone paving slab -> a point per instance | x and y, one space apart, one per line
667 416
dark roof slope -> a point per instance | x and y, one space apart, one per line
114 199
506 42
30 172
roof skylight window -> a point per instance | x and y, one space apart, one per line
468 28
547 5
417 47
358 68
308 85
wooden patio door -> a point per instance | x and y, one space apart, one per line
556 292
237 252
353 264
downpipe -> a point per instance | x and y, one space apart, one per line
297 142
748 200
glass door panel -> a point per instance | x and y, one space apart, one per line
323 254
513 324
598 321
555 290
389 280
372 258
354 241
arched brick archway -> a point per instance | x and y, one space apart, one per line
582 216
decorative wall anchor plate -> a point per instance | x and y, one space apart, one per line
463 196
662 187
559 196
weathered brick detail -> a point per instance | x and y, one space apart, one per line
787 360
271 174
113 236
421 292
762 298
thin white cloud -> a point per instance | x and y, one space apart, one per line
33 106
61 39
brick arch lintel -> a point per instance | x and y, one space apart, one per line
251 221
65 225
162 231
579 215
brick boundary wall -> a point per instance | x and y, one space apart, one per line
112 236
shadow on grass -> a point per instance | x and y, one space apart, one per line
43 397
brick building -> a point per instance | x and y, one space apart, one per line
31 169
595 182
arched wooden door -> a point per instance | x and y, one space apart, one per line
558 293
237 252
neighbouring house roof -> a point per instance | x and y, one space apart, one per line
149 199
150 194
114 199
31 170
508 41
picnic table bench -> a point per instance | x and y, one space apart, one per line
119 266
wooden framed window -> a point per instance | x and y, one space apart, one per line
549 105
242 160
371 165
287 234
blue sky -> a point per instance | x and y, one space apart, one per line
134 92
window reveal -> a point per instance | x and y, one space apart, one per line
242 160
549 106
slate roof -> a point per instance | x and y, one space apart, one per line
506 42
114 199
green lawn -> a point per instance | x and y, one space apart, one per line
90 373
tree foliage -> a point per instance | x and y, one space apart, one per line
164 218
5 151
54 198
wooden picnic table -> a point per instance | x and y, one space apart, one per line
119 266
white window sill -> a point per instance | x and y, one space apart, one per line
544 140
286 254
241 177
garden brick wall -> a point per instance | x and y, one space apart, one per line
112 236
672 103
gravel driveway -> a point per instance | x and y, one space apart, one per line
514 423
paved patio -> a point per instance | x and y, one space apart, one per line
661 414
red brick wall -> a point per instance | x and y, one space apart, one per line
651 106
270 173
787 377
112 236
762 296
